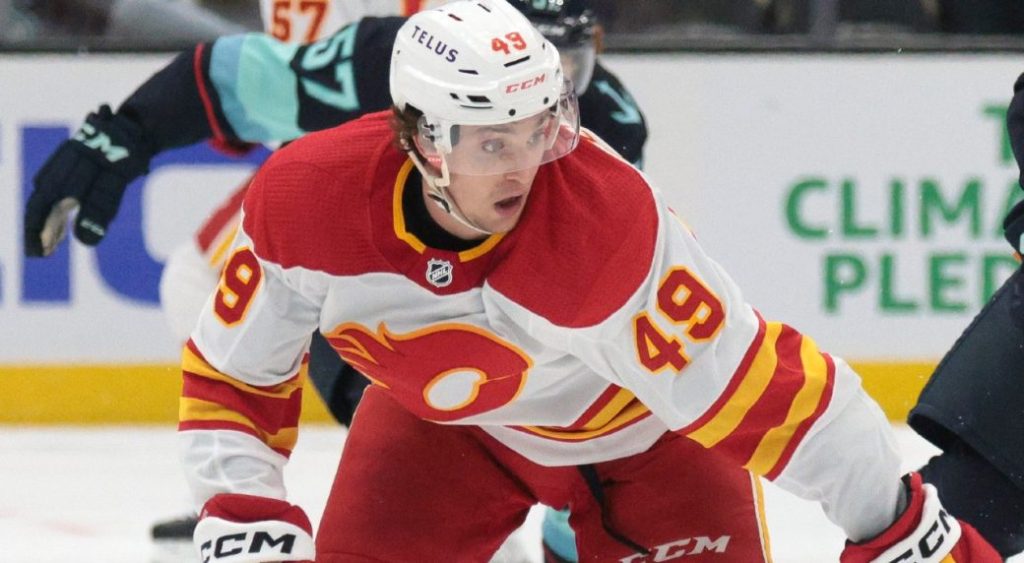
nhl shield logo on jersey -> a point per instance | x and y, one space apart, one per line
439 272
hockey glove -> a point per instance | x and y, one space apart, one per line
1013 226
90 171
924 533
236 528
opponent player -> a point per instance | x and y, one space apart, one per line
539 327
970 406
169 111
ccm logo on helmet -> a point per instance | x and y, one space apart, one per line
517 86
427 39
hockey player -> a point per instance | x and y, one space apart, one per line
968 406
170 110
193 269
538 327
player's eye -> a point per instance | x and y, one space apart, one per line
493 146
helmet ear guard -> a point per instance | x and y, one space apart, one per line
436 136
428 151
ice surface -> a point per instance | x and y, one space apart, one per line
90 495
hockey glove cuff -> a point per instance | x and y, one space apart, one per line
237 528
924 533
1013 226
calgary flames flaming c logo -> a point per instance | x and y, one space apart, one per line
443 373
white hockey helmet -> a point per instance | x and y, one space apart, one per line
480 63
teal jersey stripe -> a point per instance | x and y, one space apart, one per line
257 86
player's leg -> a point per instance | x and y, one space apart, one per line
341 387
675 499
441 496
971 409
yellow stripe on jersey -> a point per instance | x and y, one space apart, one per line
607 413
754 383
398 219
192 363
354 348
762 520
633 411
216 259
481 249
355 351
803 406
193 410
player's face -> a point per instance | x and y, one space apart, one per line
512 152
493 150
493 203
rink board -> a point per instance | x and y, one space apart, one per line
134 394
855 197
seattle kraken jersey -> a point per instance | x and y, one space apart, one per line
608 109
582 335
253 88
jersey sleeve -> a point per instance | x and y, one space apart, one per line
267 90
756 391
169 106
244 364
252 88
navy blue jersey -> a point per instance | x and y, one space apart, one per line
253 88
976 394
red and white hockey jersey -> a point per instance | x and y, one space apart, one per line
582 335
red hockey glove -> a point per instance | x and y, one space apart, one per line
249 529
924 533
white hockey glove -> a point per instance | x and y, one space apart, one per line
250 529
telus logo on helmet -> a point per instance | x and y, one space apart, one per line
427 39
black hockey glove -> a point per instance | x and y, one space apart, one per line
90 171
1013 226
1013 229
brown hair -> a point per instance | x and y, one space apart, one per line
405 126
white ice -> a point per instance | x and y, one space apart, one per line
90 495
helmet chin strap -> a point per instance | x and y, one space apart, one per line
438 191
